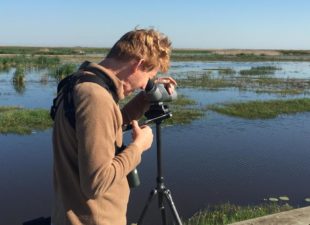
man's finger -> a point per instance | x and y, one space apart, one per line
134 124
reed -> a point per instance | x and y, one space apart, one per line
63 70
229 213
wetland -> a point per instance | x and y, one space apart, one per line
239 131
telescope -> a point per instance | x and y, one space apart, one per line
155 94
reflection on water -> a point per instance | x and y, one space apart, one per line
215 159
19 87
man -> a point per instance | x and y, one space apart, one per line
89 177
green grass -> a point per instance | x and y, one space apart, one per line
63 70
260 70
230 213
51 51
258 83
204 80
19 75
23 121
26 61
18 120
184 111
263 109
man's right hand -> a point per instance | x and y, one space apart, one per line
142 136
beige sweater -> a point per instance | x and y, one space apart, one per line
89 180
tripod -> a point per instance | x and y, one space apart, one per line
161 112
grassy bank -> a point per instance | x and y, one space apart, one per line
28 62
23 121
263 109
229 213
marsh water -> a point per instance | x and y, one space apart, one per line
212 160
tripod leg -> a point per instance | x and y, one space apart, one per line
149 200
162 207
172 207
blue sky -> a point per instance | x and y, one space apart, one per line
246 24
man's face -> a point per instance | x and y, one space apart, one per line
138 80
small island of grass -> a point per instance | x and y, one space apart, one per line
23 121
263 109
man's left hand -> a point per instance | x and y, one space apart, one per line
168 82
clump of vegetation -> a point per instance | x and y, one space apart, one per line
227 71
263 109
184 111
63 70
19 75
230 213
19 80
260 70
26 61
43 61
258 83
23 121
204 80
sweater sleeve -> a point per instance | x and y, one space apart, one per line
135 108
98 120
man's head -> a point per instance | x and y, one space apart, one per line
147 44
146 52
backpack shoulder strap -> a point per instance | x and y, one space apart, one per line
66 87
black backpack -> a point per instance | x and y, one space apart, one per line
66 86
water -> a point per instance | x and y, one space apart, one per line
298 70
212 160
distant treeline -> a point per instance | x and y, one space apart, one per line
51 50
177 54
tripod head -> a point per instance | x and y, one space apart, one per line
156 95
157 113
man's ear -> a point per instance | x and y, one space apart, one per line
138 65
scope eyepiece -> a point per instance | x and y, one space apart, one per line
149 86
